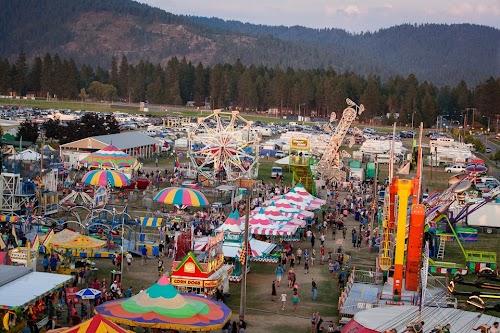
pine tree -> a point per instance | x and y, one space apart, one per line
19 80
200 84
47 76
34 76
123 79
5 82
113 75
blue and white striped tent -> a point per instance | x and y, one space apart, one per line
88 293
151 221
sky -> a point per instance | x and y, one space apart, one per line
351 15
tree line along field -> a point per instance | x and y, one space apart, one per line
317 93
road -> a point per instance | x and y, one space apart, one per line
493 166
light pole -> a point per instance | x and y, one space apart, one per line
247 184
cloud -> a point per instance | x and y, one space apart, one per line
352 10
352 15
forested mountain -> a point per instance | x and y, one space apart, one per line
92 31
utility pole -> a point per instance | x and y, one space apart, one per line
247 184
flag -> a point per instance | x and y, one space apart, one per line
405 169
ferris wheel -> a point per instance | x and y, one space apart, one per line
223 147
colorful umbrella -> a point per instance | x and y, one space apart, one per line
181 196
162 306
96 324
88 293
106 177
110 157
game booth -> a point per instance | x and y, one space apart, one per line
26 295
201 271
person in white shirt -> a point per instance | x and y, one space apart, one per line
283 301
128 257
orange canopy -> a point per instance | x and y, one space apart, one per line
96 324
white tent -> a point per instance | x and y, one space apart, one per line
486 216
26 155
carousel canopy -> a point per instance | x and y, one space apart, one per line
110 157
68 239
105 178
181 196
20 286
162 306
96 324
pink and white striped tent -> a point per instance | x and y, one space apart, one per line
274 213
285 230
232 223
287 209
300 189
260 224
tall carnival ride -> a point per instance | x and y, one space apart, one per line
399 237
330 165
222 147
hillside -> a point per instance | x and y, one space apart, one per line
92 31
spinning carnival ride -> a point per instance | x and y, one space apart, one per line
331 162
223 147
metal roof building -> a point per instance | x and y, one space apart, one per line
133 143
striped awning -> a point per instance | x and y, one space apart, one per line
286 231
9 218
151 221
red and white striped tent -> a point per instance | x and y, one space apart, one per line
273 213
260 224
285 230
232 223
287 209
300 189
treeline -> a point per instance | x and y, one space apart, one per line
316 92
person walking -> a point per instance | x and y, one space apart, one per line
314 290
283 301
45 263
273 291
128 258
295 300
279 273
160 266
299 255
354 236
306 266
144 253
313 239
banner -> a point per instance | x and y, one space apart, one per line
299 144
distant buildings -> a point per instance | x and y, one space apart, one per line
133 143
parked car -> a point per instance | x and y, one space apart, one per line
279 154
276 171
456 168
